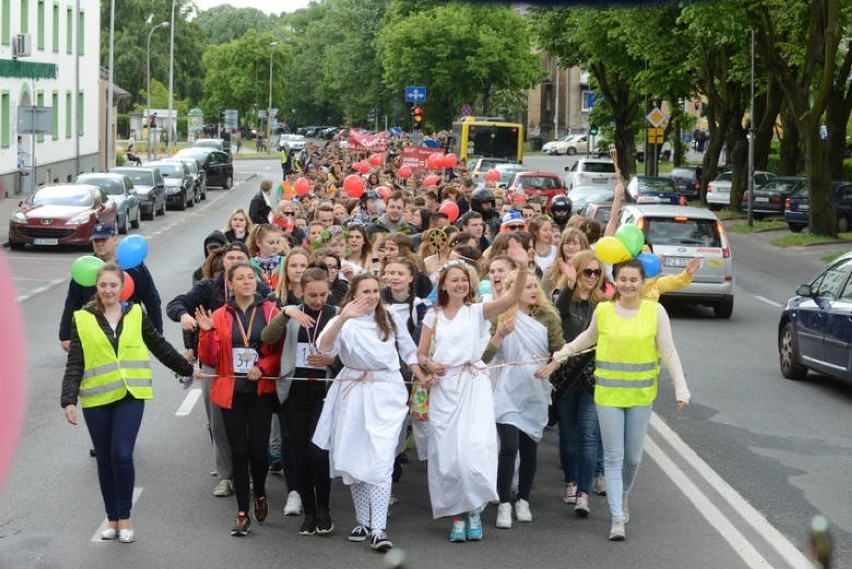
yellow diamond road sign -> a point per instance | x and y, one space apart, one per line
656 117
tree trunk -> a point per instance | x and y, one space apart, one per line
790 151
823 218
738 160
837 115
765 123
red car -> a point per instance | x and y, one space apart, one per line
538 184
62 214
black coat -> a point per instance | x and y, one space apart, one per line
259 210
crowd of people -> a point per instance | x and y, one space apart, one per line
325 310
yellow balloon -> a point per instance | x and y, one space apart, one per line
611 251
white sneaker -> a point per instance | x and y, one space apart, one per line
223 488
616 531
504 516
569 494
599 485
582 506
293 507
522 511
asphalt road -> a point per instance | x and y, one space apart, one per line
731 482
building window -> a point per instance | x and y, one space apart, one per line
5 114
81 36
25 16
55 103
40 26
69 31
40 103
69 113
6 22
55 29
80 107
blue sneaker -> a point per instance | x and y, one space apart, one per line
458 533
474 527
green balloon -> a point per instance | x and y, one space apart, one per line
84 271
632 238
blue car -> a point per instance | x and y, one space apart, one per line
797 207
815 330
653 190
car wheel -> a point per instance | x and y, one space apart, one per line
122 227
724 308
757 216
135 223
787 354
192 199
150 215
571 151
16 245
204 192
197 194
229 181
163 207
795 227
843 225
182 202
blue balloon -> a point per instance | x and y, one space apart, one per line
650 264
131 251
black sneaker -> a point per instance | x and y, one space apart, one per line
242 526
261 508
324 523
359 533
380 542
309 526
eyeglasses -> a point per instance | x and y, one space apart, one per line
288 213
332 267
592 273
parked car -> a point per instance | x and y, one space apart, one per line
581 195
553 146
680 233
217 165
590 171
815 330
61 214
150 187
688 181
599 211
120 189
653 189
570 145
664 152
797 207
293 141
719 190
771 197
219 144
536 184
479 165
507 171
180 191
199 177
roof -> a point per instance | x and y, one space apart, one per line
672 211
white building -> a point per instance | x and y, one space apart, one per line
57 35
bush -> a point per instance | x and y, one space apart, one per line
122 126
182 128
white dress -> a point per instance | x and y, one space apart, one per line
545 261
520 398
462 433
367 403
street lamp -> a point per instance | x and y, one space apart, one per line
269 108
171 76
157 27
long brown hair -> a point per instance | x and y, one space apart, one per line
443 296
284 285
110 267
581 260
383 320
366 249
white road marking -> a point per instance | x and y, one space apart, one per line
137 491
40 289
188 403
755 519
767 301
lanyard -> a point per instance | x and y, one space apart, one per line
243 331
312 342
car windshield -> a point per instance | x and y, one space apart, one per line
657 185
682 173
62 196
110 186
170 170
784 186
682 231
208 143
603 167
540 182
591 194
724 177
140 178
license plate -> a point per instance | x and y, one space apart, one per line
761 200
46 241
677 262
804 207
600 180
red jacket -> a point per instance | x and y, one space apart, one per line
214 349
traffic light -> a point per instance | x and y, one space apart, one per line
417 117
593 130
221 116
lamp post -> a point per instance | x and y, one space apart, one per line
269 107
171 76
158 26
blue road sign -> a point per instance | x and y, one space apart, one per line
415 94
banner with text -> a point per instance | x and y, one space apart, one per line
368 142
415 156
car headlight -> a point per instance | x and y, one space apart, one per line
79 219
19 217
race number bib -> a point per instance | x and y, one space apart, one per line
303 350
244 359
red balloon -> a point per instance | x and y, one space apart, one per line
431 180
385 192
492 175
128 289
431 162
363 166
377 159
303 186
450 160
354 185
439 162
451 209
13 354
405 172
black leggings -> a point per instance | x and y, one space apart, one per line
247 424
512 441
302 411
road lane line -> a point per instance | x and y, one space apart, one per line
767 301
188 403
41 289
755 519
137 491
738 542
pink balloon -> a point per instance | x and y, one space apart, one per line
450 160
405 172
13 354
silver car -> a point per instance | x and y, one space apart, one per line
120 189
678 234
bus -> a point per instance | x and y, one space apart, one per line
490 137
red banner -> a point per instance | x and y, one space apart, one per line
415 156
368 142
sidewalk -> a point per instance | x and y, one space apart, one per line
7 208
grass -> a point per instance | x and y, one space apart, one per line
832 256
743 227
804 238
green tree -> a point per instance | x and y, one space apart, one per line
224 23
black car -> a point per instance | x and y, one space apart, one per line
217 165
769 199
199 177
219 144
687 180
150 187
797 207
180 188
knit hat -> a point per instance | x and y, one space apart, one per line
512 217
237 246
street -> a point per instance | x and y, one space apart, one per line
731 482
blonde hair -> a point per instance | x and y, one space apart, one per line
555 277
242 212
580 261
542 303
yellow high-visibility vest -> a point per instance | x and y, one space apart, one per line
626 360
107 376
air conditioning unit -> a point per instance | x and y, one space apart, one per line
22 45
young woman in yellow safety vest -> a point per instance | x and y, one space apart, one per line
632 335
109 371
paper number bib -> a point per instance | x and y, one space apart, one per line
303 350
244 359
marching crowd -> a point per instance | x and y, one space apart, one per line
357 310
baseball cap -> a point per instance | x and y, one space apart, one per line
512 218
236 246
102 231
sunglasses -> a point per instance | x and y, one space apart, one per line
514 227
288 213
592 273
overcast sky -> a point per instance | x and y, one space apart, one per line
274 7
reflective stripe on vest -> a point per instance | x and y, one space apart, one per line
627 362
107 376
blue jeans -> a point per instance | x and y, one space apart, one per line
113 429
578 437
623 433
